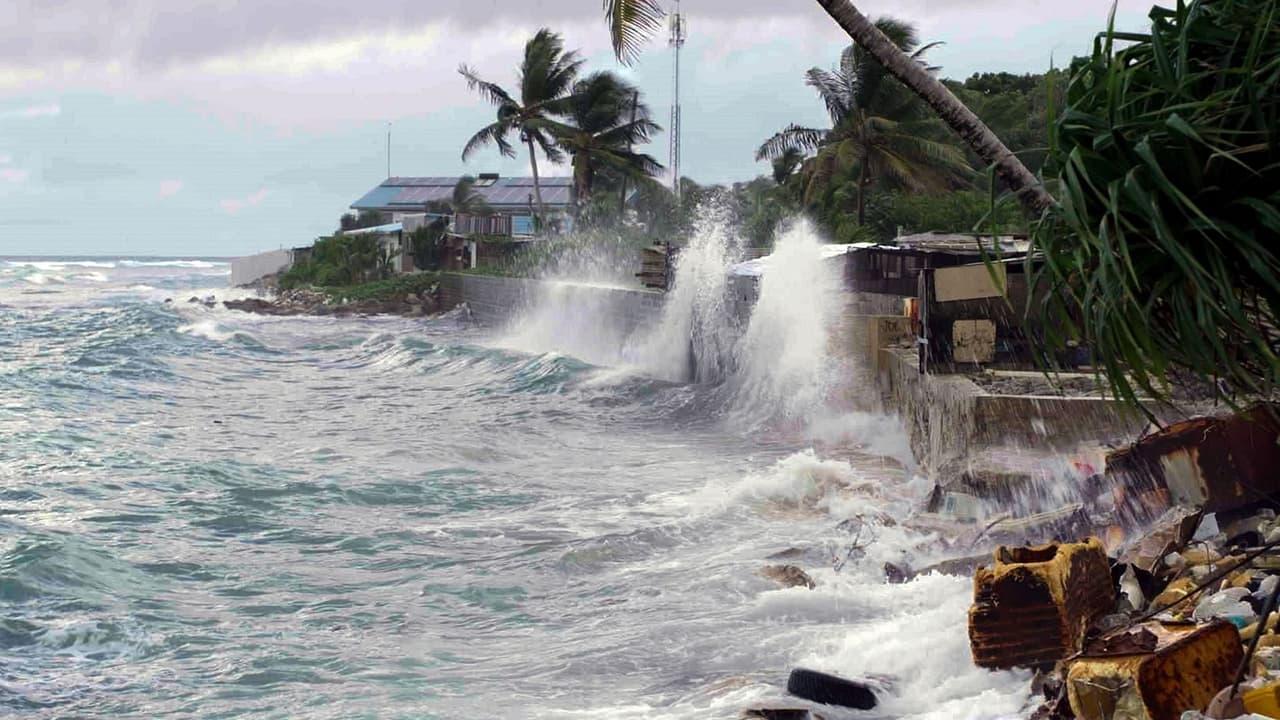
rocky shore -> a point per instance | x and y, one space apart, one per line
305 301
1151 596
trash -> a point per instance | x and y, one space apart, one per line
830 690
1201 555
1208 528
1215 463
1267 586
1175 591
1228 605
1264 701
1187 667
1131 591
1168 534
1033 607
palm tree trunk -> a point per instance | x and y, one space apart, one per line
1024 184
537 187
862 193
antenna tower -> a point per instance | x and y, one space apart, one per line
676 41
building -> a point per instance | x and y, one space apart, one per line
508 197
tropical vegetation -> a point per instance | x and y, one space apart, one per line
341 260
1161 254
546 75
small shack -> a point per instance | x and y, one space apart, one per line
964 293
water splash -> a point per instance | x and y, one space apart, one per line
784 370
695 338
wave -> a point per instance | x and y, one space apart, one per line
199 264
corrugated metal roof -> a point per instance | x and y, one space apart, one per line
408 193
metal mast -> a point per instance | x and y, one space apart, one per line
676 41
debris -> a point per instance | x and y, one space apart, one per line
1130 590
1033 607
1067 521
830 690
1215 463
1187 667
787 576
1169 534
1227 605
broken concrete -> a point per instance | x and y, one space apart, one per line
1170 669
1033 607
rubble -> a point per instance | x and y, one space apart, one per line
788 576
1153 671
1033 606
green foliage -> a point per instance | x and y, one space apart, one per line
427 244
1167 160
882 136
389 289
959 211
340 260
365 218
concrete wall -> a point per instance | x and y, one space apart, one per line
245 270
498 300
950 420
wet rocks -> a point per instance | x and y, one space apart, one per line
787 576
305 301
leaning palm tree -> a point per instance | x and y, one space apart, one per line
631 22
878 129
546 75
603 119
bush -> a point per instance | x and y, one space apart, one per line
1162 251
389 289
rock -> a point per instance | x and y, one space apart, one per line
787 576
896 575
1033 607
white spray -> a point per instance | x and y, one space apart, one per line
784 370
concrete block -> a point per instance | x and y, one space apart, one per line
1033 606
1154 671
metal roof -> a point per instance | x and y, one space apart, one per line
388 228
411 193
964 244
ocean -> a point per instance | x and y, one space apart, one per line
211 514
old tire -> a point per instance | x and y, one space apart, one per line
830 690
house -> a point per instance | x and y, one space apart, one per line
409 202
508 197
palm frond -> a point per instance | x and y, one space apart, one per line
489 91
792 137
493 133
631 24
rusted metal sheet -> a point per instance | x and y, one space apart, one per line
1033 606
1212 463
1170 669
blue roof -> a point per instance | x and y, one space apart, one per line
388 228
413 193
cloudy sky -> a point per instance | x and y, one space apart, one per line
225 127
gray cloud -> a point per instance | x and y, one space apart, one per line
163 32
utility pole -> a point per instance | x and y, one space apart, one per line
676 41
388 149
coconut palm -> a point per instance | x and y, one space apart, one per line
877 129
603 118
465 199
546 75
632 22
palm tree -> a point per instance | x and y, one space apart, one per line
546 75
603 119
877 128
465 199
631 22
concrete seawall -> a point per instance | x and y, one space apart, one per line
497 301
